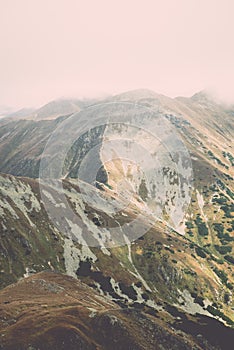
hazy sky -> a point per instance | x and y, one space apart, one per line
53 48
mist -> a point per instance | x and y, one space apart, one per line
52 49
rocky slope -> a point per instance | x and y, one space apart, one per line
161 266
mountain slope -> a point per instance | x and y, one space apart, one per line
160 267
106 230
52 311
51 110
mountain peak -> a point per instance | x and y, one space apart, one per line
138 94
205 96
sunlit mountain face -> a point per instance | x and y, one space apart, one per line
117 224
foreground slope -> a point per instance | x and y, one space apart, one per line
52 311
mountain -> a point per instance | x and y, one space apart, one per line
57 108
141 210
21 113
5 110
51 110
203 129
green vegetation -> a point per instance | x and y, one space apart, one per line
212 188
212 156
229 258
201 226
199 300
189 272
218 228
170 250
220 314
221 200
109 186
226 298
224 237
229 157
223 249
200 252
189 224
228 209
143 192
222 275
232 225
225 188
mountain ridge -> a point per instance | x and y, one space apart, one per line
184 271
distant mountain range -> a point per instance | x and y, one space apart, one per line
51 110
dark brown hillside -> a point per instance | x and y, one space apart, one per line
53 311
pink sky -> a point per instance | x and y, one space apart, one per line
53 48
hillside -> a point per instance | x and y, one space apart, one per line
160 266
141 210
52 311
